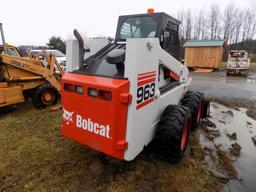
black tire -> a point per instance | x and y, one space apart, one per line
173 132
191 68
206 109
39 96
194 101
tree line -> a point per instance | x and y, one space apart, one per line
233 24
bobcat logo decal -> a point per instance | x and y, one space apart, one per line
86 124
67 116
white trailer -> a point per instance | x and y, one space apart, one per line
238 62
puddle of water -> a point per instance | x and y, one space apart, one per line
252 76
230 121
250 80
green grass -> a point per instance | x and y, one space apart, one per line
35 157
253 66
223 65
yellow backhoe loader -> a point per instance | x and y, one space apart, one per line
22 77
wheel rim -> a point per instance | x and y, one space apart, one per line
184 135
47 97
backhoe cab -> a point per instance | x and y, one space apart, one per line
6 48
132 91
10 50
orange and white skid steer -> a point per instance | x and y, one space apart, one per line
132 91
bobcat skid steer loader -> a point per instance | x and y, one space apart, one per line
132 91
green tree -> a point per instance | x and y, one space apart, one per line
57 43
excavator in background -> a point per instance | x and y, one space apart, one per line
22 77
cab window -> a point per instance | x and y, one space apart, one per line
12 51
138 27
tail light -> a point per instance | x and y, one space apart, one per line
80 89
92 92
69 87
74 88
107 95
101 94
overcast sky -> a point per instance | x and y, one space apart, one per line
31 22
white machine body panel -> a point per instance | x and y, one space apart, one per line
94 45
143 58
72 51
72 55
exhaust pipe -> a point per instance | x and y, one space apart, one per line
3 40
81 48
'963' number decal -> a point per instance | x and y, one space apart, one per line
145 92
146 88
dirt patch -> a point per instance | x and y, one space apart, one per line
197 152
222 163
229 112
96 168
235 149
197 180
225 163
207 123
233 103
210 134
219 175
223 122
251 112
148 184
254 140
232 136
248 123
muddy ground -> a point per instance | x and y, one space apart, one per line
232 91
234 122
35 157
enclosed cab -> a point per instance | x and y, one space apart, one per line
115 101
155 25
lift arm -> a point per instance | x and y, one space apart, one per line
174 65
35 66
